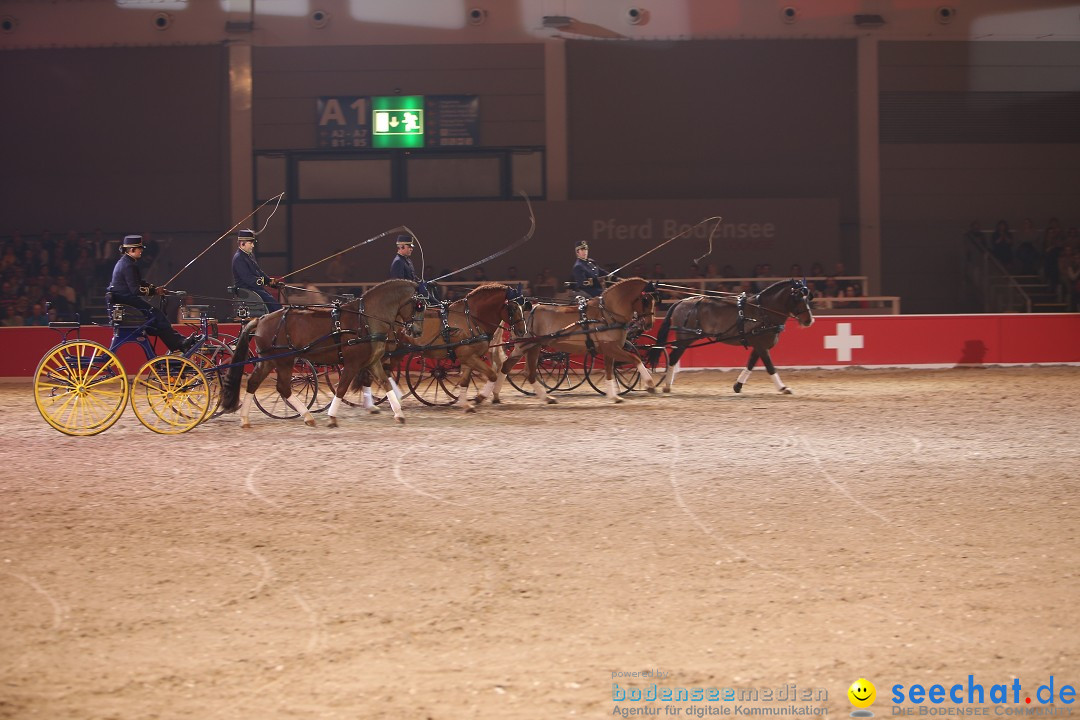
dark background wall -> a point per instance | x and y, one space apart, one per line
971 131
126 139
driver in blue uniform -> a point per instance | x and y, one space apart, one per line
588 276
248 275
128 288
401 266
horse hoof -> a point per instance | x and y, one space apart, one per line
785 391
245 425
401 420
470 408
667 389
479 400
332 423
738 387
374 411
551 401
651 389
616 399
310 422
495 401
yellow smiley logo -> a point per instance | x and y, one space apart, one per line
862 693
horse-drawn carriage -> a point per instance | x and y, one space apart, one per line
81 387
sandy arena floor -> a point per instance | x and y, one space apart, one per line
902 526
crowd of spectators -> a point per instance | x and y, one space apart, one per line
45 277
1051 253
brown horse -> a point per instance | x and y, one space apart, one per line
354 336
471 323
599 327
755 322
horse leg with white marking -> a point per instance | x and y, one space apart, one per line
780 386
475 363
387 386
745 374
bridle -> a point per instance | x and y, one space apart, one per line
415 327
523 305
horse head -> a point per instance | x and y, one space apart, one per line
800 298
516 307
791 298
414 324
632 300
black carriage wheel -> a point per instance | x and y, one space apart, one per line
626 374
433 381
305 386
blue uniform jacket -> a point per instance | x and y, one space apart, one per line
126 278
587 276
402 267
247 273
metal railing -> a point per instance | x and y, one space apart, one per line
991 284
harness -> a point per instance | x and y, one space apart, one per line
737 331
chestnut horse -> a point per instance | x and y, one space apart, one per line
472 323
354 336
754 322
599 327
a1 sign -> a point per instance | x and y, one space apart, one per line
342 122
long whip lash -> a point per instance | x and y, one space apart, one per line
229 232
516 244
718 220
381 235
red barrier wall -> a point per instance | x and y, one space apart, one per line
832 341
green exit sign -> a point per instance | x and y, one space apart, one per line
397 122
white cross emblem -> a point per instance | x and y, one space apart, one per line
843 342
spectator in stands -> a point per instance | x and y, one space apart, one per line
1053 244
56 299
11 317
479 275
831 287
796 271
839 272
1001 244
1070 274
975 234
817 271
37 315
1027 251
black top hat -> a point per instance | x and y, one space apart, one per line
582 246
245 235
404 240
131 241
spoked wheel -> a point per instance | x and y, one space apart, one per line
170 395
627 375
569 370
519 378
433 381
212 358
305 388
80 388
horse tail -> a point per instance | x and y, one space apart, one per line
661 335
230 394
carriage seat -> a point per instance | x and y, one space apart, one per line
246 304
124 315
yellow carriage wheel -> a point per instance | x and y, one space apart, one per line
80 388
211 358
170 395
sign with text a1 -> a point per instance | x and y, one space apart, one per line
342 123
